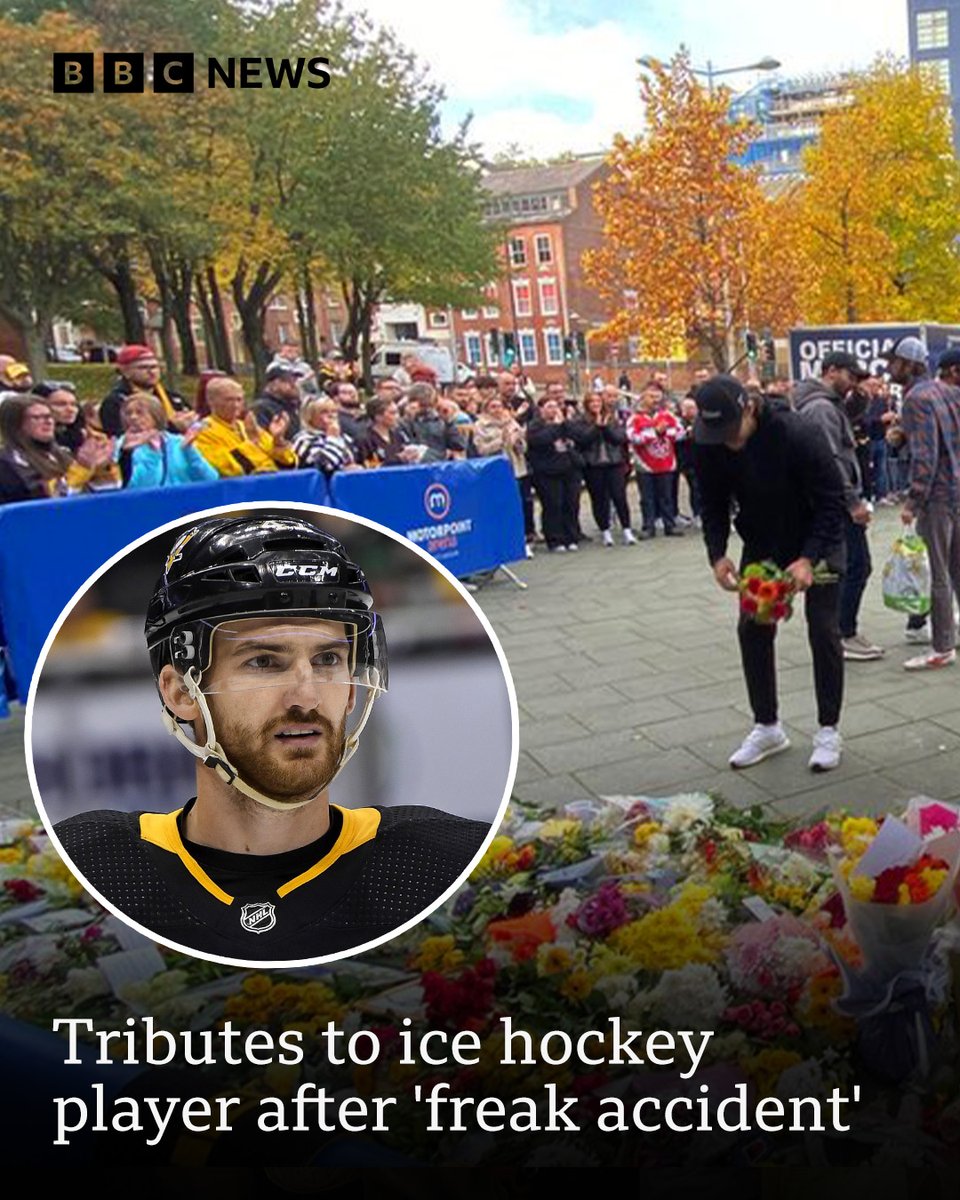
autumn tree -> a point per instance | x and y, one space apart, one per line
683 224
880 206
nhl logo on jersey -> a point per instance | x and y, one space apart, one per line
258 918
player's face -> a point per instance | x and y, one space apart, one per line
280 694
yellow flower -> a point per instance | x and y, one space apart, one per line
577 986
493 857
856 834
862 887
644 832
256 985
437 954
766 1068
553 959
558 828
10 854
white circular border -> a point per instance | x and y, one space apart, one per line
274 506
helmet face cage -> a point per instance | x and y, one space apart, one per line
224 580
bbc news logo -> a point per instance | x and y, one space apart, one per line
124 72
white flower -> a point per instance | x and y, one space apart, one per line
802 1079
683 812
83 983
691 997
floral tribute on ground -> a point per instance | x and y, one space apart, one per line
818 955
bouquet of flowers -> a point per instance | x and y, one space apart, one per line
896 879
767 591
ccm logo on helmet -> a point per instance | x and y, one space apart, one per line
318 571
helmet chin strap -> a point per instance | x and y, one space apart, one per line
212 754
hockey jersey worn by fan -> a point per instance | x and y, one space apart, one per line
654 438
375 869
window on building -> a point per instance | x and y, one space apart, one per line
282 333
553 346
544 247
438 320
518 252
933 29
549 297
491 311
522 298
278 304
468 314
473 346
528 348
936 71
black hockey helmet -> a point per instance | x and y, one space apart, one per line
271 564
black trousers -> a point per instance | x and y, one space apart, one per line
656 499
608 485
525 484
559 497
854 582
821 606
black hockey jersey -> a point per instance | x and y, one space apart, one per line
385 866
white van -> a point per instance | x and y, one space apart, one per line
388 355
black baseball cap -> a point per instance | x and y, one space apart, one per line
279 371
843 361
720 405
949 358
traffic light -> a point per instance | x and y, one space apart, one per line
581 342
750 341
769 350
495 342
568 349
509 349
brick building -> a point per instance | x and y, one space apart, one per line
541 298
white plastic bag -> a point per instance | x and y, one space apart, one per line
906 575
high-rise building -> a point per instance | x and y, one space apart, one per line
788 113
935 46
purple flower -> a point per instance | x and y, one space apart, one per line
602 913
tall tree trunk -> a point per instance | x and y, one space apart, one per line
113 262
311 347
161 276
214 320
181 296
251 296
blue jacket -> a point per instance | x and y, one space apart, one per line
172 463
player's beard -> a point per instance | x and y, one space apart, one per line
300 773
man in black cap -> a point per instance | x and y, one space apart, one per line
823 402
930 419
780 472
281 389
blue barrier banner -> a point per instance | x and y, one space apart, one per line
466 514
49 547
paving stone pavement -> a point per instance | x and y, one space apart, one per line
628 679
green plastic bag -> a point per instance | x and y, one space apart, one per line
906 575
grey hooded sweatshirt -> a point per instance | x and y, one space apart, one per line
819 404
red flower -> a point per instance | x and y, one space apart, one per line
22 890
749 605
888 883
780 612
754 584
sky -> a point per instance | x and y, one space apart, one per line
558 75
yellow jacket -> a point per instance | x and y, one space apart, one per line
227 447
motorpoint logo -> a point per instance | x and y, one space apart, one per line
175 72
436 501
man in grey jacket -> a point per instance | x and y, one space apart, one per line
822 402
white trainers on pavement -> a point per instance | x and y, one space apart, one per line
760 743
629 539
931 662
607 538
919 637
860 649
827 745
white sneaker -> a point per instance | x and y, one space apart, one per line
529 550
607 538
572 547
557 549
860 649
827 744
760 743
919 637
931 661
628 538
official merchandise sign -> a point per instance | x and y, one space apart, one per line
868 343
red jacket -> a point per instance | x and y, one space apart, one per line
654 437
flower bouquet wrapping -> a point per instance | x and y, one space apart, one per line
897 885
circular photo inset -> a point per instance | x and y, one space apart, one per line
272 736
